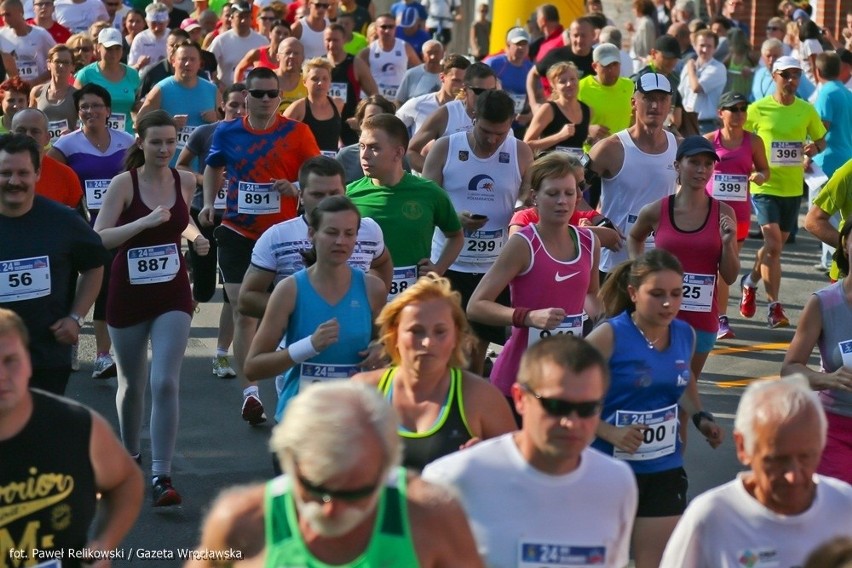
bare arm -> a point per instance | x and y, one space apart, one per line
432 129
758 157
729 264
184 163
452 248
542 118
433 166
212 183
382 268
254 294
263 359
483 306
152 102
535 93
819 225
649 219
246 63
296 111
365 77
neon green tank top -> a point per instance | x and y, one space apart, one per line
390 546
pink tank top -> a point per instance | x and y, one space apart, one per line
736 162
547 283
699 252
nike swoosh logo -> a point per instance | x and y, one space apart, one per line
566 277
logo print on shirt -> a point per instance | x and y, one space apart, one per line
481 182
390 68
463 155
559 278
503 158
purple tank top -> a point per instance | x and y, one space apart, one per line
734 162
547 283
149 275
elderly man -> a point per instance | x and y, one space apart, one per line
778 511
424 78
68 459
343 496
540 496
763 84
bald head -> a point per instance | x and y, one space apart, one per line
291 55
33 123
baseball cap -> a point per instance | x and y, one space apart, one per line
240 7
786 62
668 46
517 35
109 37
731 98
606 54
650 82
696 145
189 24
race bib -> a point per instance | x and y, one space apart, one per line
403 277
117 121
698 290
571 325
660 436
730 187
258 198
27 68
520 102
318 372
183 136
388 91
95 191
631 220
221 200
551 555
149 265
482 247
338 91
786 154
55 128
846 352
24 279
576 152
329 153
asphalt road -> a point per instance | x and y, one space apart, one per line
216 449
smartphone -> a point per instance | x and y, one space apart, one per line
477 216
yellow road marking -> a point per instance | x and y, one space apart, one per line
744 382
750 348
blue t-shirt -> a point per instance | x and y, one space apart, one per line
406 14
178 99
644 380
123 93
834 105
762 85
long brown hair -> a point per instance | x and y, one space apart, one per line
135 155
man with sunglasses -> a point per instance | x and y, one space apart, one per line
309 28
455 116
388 57
540 495
763 83
230 47
343 499
785 123
261 155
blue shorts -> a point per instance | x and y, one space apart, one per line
704 341
781 211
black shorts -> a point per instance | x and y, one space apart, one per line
662 494
465 283
234 254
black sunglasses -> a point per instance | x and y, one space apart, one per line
321 5
387 26
743 108
259 93
787 75
561 408
327 495
476 90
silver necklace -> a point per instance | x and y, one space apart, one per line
650 343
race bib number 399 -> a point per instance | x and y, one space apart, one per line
24 279
730 187
150 265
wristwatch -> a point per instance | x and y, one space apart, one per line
77 319
698 416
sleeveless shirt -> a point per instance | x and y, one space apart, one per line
457 118
581 129
131 303
312 41
326 132
835 340
738 162
388 67
449 432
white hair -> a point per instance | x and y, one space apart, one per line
429 43
776 402
771 44
687 6
325 425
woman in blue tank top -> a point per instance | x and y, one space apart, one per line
319 322
648 351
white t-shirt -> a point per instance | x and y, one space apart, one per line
146 43
728 528
277 249
440 9
229 49
712 76
78 17
524 518
30 51
806 49
414 112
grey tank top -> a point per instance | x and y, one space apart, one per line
836 337
57 112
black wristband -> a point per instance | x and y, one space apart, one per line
696 418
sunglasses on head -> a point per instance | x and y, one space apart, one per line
260 93
561 408
327 495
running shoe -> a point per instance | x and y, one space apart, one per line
222 367
253 410
725 331
163 494
748 302
104 367
777 317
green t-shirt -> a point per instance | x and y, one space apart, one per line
356 44
408 214
610 105
784 130
391 544
836 197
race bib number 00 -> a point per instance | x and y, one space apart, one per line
571 325
730 187
24 279
786 154
258 198
150 265
95 192
403 277
698 290
55 128
559 555
660 435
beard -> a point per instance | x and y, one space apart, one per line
342 523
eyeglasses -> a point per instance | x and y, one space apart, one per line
92 106
260 93
743 108
787 75
327 495
387 26
562 408
476 90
